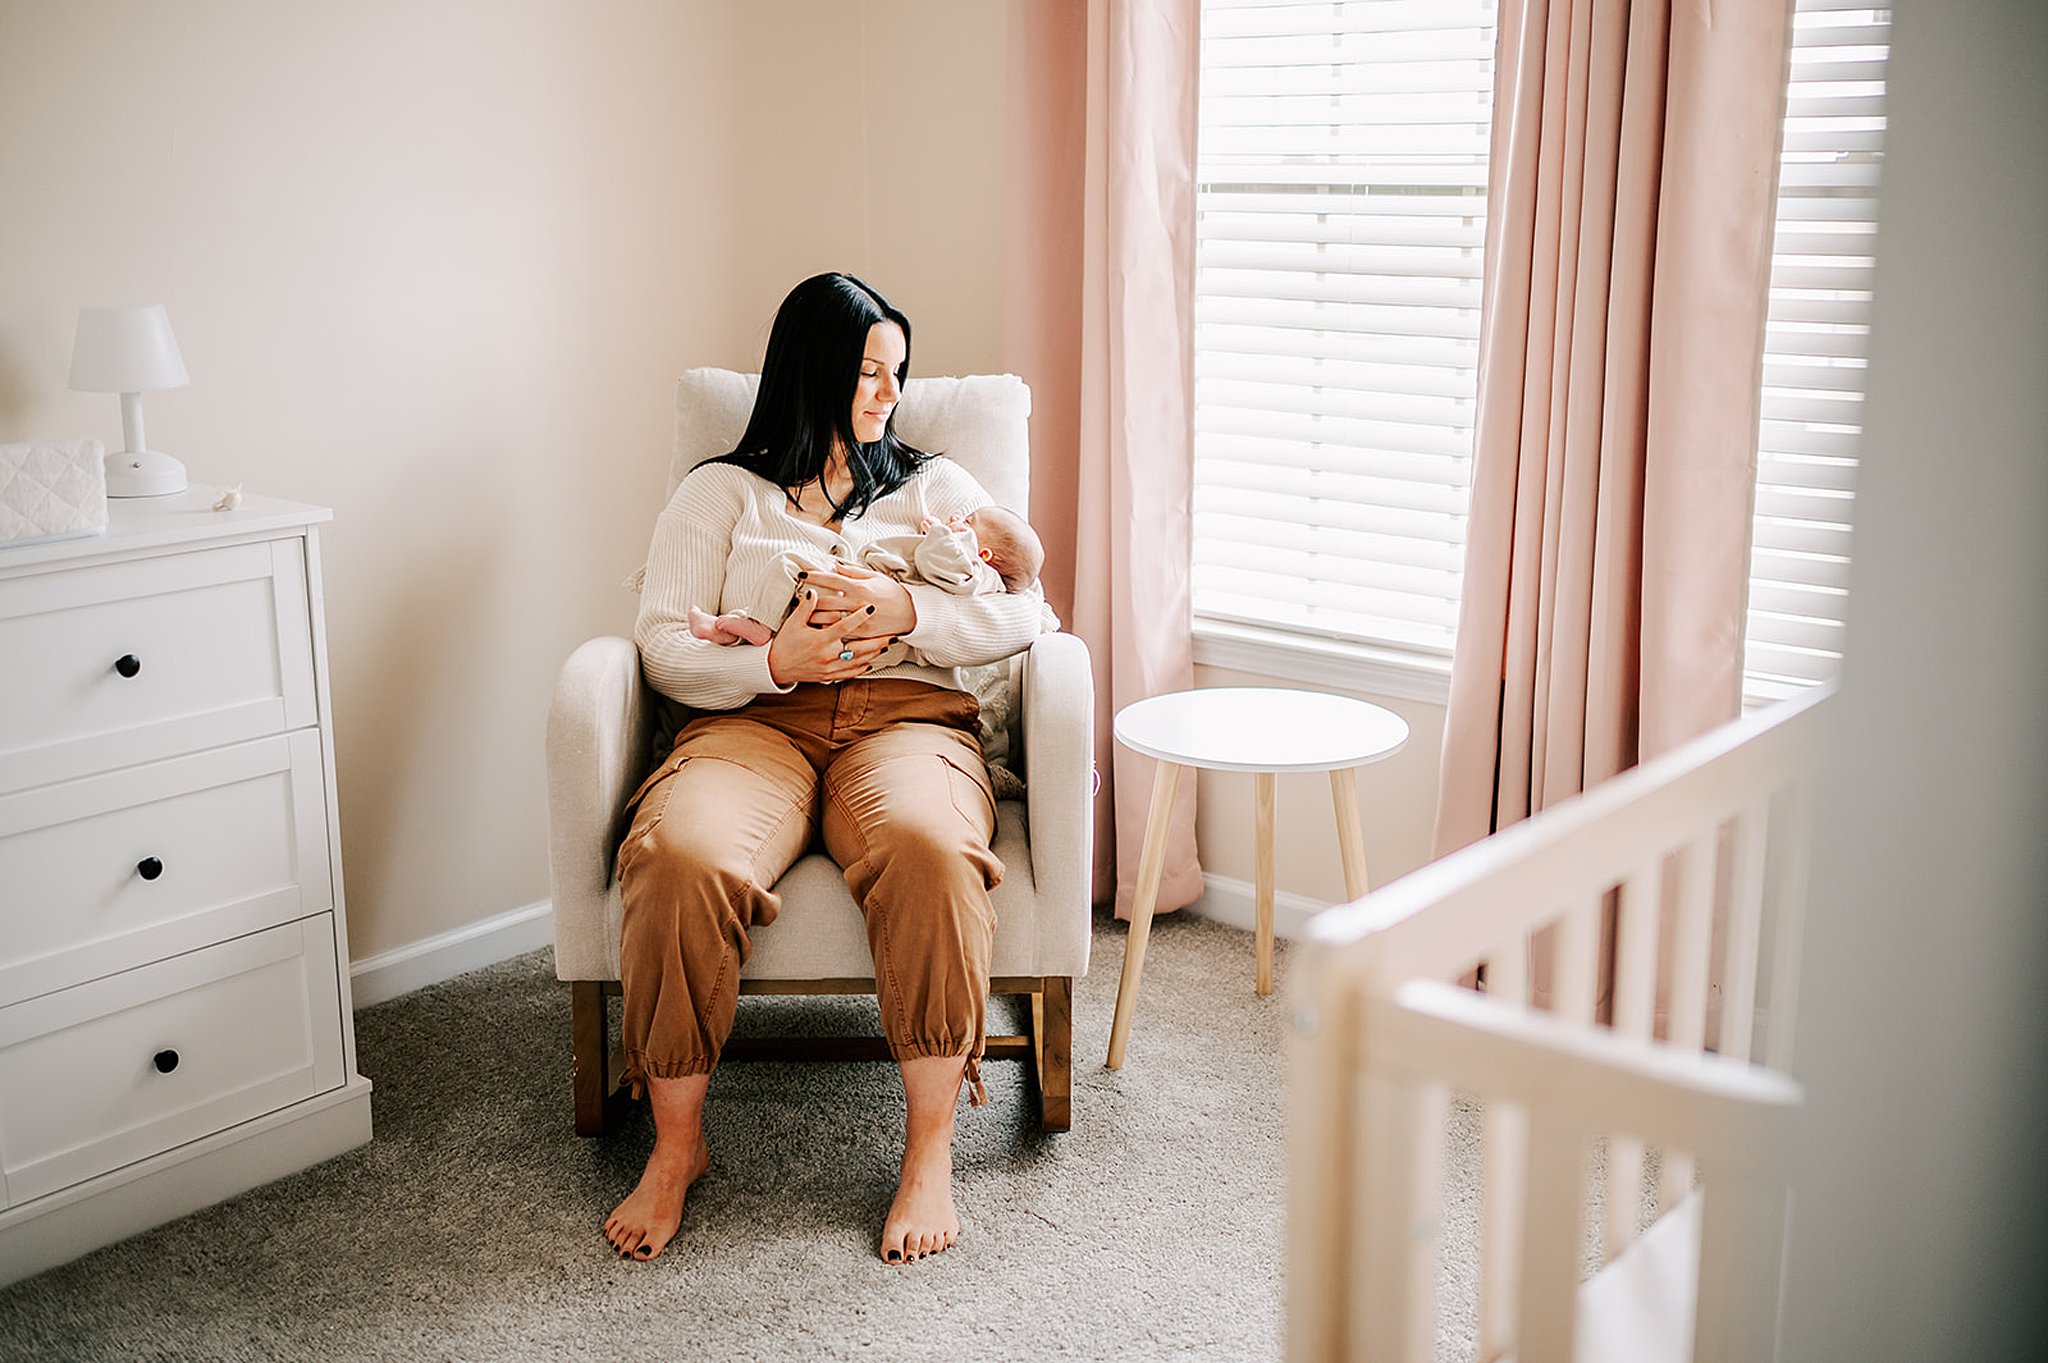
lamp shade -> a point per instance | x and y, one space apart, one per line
125 350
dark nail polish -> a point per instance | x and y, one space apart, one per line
802 576
871 610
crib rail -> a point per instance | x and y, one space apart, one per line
1687 874
1574 1083
1505 887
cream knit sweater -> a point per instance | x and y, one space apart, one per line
717 546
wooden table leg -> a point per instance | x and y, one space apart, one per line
1350 835
1262 889
1151 866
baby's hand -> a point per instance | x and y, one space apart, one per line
728 629
925 523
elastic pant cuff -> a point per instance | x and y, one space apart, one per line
934 1050
977 1092
640 1068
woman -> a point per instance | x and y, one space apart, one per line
803 741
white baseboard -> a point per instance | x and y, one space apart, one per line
388 974
1230 901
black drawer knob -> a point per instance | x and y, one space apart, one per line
128 664
149 868
166 1061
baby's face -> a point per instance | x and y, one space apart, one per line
990 534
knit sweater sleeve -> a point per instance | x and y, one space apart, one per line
967 631
686 566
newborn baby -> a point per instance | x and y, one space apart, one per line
992 549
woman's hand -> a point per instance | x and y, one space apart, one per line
805 650
850 590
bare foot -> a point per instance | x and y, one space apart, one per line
922 1220
646 1221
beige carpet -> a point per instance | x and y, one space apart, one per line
469 1228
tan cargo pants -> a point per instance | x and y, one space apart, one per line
890 774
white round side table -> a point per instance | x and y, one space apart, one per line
1266 730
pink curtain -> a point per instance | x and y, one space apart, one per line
1099 298
1628 248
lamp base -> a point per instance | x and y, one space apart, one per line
145 473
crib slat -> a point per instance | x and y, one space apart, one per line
1502 1177
1576 972
1548 1299
1432 1119
1323 1174
1792 839
1692 937
1635 950
1394 1222
1635 997
1745 926
1504 1150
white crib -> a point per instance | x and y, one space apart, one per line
1385 1034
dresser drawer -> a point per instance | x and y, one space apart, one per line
109 872
127 662
111 1072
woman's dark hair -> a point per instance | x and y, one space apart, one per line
805 404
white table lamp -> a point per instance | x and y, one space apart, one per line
130 350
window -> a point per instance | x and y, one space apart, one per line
1341 210
1816 344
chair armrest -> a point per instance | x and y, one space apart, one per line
599 725
1059 759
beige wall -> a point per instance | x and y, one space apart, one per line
436 267
871 141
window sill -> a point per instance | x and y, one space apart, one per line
1759 692
1371 670
1333 663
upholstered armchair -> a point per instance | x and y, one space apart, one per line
603 725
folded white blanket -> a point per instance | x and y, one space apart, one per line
52 489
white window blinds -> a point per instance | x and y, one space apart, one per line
1341 216
1816 343
1341 211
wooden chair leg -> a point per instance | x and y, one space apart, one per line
1052 1034
591 1050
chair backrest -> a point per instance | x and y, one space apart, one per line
979 422
1701 848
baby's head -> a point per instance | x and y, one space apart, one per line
1008 544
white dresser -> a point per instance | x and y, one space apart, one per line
174 992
